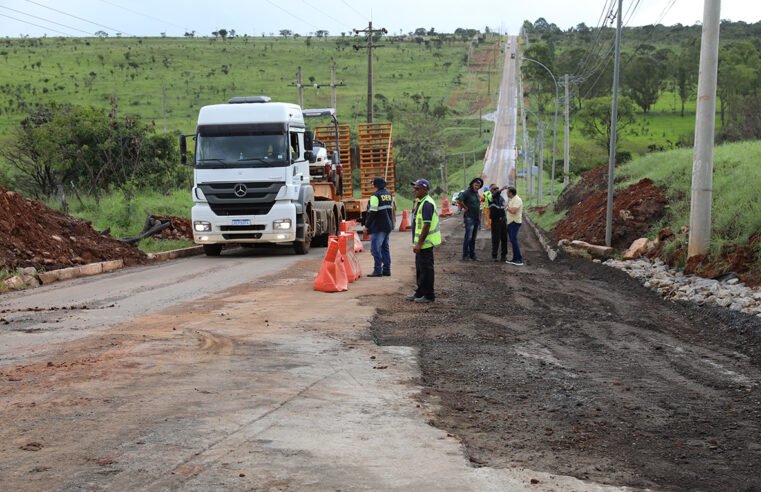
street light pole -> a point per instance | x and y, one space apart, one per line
554 124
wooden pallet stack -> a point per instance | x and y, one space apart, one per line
327 135
375 156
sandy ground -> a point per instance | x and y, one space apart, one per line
263 385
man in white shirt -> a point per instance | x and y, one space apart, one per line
514 219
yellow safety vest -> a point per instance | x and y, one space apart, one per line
434 233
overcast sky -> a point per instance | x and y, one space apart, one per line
254 17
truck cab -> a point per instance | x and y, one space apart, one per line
251 175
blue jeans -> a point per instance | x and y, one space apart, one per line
381 252
512 233
471 231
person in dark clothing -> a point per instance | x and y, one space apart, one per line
426 236
496 204
380 222
470 201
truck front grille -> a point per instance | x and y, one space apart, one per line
230 237
258 198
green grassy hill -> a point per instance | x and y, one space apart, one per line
147 75
736 212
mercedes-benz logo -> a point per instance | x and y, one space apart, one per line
240 190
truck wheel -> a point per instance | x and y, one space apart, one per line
212 249
302 248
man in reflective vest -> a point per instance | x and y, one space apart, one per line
379 223
425 237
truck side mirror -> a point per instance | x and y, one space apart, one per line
308 140
310 156
183 150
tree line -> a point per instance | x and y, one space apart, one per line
655 59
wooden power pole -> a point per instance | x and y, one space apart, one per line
370 33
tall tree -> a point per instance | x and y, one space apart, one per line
684 70
595 118
642 80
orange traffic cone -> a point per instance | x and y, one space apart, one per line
405 225
445 210
346 225
345 246
332 276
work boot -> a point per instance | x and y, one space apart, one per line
413 297
422 300
375 274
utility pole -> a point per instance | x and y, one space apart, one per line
163 98
370 33
301 88
613 125
444 180
530 150
525 130
567 150
333 86
464 172
702 159
540 177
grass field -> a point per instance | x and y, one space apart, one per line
736 211
179 75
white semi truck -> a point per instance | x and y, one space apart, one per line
252 178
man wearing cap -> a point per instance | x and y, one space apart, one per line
379 223
470 201
425 237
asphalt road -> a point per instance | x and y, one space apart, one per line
66 311
500 162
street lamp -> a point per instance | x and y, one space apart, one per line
530 167
554 123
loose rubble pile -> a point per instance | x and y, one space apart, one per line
675 285
33 238
635 208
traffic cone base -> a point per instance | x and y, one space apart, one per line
332 275
405 225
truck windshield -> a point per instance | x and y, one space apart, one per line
241 150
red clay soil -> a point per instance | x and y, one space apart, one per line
181 227
635 209
592 181
31 234
740 259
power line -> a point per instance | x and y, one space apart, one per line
290 13
145 15
581 67
45 20
325 14
79 18
665 12
37 25
362 16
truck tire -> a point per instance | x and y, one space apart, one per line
302 247
212 249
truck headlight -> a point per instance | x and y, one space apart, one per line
281 224
202 226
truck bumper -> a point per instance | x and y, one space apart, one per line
228 229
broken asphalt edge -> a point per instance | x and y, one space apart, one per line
546 243
109 266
